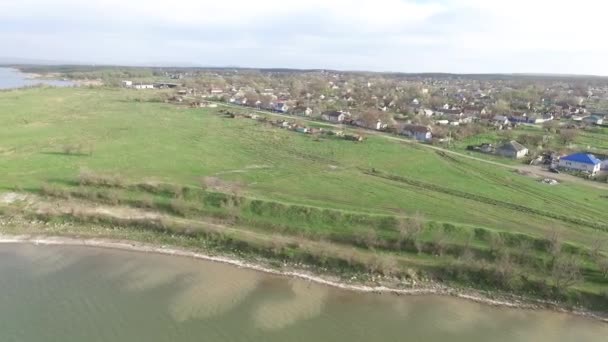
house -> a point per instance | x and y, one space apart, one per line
281 107
584 162
143 86
500 120
519 117
378 125
165 85
512 149
216 91
267 92
203 104
334 116
594 120
539 119
127 84
426 112
418 132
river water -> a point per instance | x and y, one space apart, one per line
60 293
13 78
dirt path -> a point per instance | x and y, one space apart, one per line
532 170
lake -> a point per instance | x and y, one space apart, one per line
13 78
60 293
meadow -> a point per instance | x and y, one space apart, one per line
121 146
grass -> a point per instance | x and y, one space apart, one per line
124 149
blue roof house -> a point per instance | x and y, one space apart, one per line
581 162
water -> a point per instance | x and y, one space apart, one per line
55 293
13 78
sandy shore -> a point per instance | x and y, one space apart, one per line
435 290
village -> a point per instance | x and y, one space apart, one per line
533 120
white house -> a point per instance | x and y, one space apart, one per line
127 84
426 112
378 125
281 107
418 132
512 149
584 162
334 116
594 120
500 120
143 86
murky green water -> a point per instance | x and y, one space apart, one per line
53 293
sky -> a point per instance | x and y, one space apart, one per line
459 36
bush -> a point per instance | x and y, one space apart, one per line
179 207
89 178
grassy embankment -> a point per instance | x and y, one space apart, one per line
379 206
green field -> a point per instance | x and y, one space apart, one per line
288 181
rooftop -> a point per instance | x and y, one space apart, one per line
584 158
512 146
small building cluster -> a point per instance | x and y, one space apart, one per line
293 126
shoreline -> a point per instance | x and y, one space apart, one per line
133 246
54 77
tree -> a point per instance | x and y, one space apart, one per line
501 107
603 265
596 246
555 244
567 136
566 272
505 269
497 244
369 118
551 126
531 140
410 228
440 242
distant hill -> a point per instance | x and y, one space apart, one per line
30 61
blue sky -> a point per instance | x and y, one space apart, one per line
465 36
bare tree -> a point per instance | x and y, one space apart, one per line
505 268
497 244
596 246
567 136
410 228
440 242
555 244
550 126
467 256
603 265
566 272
